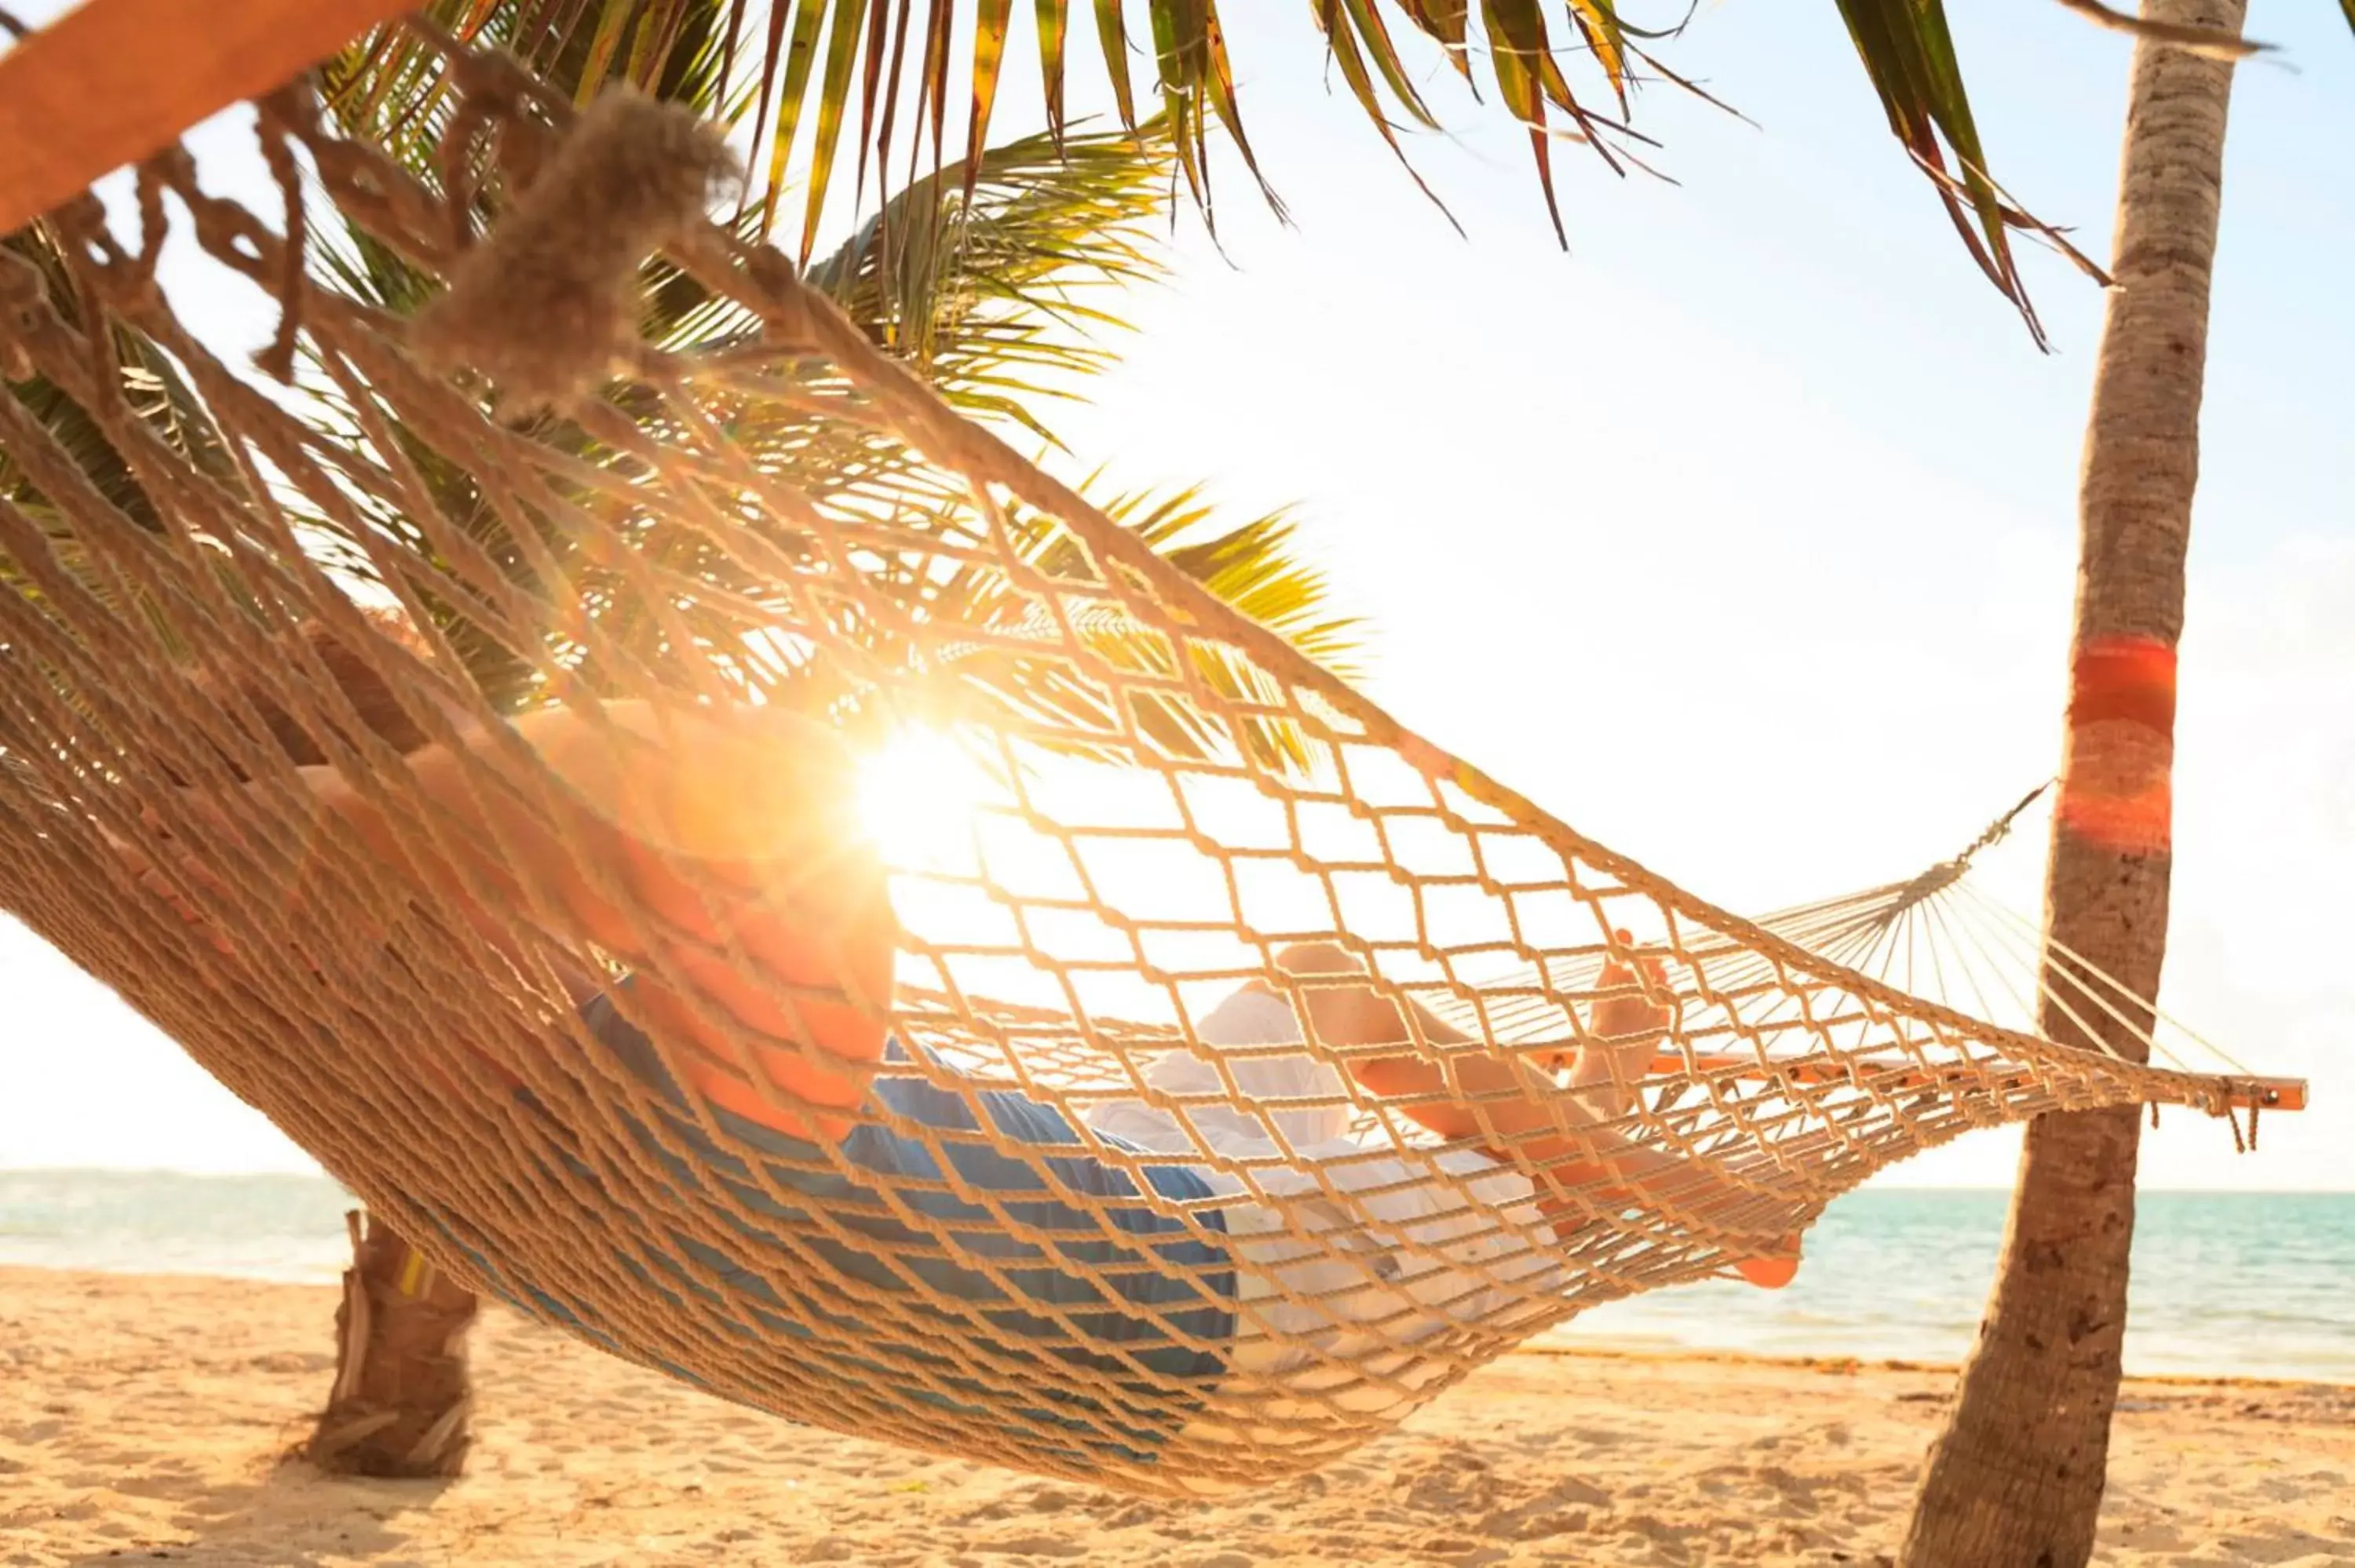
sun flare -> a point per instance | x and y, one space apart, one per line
920 795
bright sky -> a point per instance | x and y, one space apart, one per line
1762 471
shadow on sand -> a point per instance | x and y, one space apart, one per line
295 1517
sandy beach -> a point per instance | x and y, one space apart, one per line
150 1418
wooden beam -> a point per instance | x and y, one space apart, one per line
2264 1094
114 81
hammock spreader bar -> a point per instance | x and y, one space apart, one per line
113 82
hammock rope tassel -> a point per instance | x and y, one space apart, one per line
547 303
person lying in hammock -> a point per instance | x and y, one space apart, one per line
1409 1243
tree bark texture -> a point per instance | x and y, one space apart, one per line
2015 1480
402 1392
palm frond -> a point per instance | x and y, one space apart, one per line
978 274
986 295
1254 567
990 278
151 387
152 384
1909 55
384 89
882 72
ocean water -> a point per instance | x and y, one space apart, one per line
2249 1284
287 1228
2239 1284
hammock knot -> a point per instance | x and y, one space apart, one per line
282 118
154 176
113 277
494 85
546 305
291 111
22 295
21 290
381 199
82 223
785 308
493 92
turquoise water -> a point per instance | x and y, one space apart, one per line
2242 1284
2252 1284
162 1222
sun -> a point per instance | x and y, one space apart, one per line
920 797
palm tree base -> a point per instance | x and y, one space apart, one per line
2016 1480
402 1392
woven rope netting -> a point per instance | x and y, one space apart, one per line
1126 803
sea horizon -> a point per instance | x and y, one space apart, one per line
204 1173
2225 1284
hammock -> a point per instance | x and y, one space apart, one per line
1132 801
1939 936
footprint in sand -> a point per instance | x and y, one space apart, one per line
1566 1508
1033 1546
1454 1483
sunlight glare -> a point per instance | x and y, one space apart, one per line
920 794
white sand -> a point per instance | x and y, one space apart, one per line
148 1418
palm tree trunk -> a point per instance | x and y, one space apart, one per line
401 1394
2017 1477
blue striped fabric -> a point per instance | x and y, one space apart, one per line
1167 1307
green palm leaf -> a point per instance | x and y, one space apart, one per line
157 395
882 69
993 276
1251 567
990 277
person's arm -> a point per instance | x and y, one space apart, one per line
757 802
143 869
1520 1114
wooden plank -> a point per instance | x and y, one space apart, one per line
114 81
2264 1094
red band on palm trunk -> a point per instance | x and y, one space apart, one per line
2116 789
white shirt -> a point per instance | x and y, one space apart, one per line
1410 1245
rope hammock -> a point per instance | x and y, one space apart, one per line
1941 936
1152 1215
